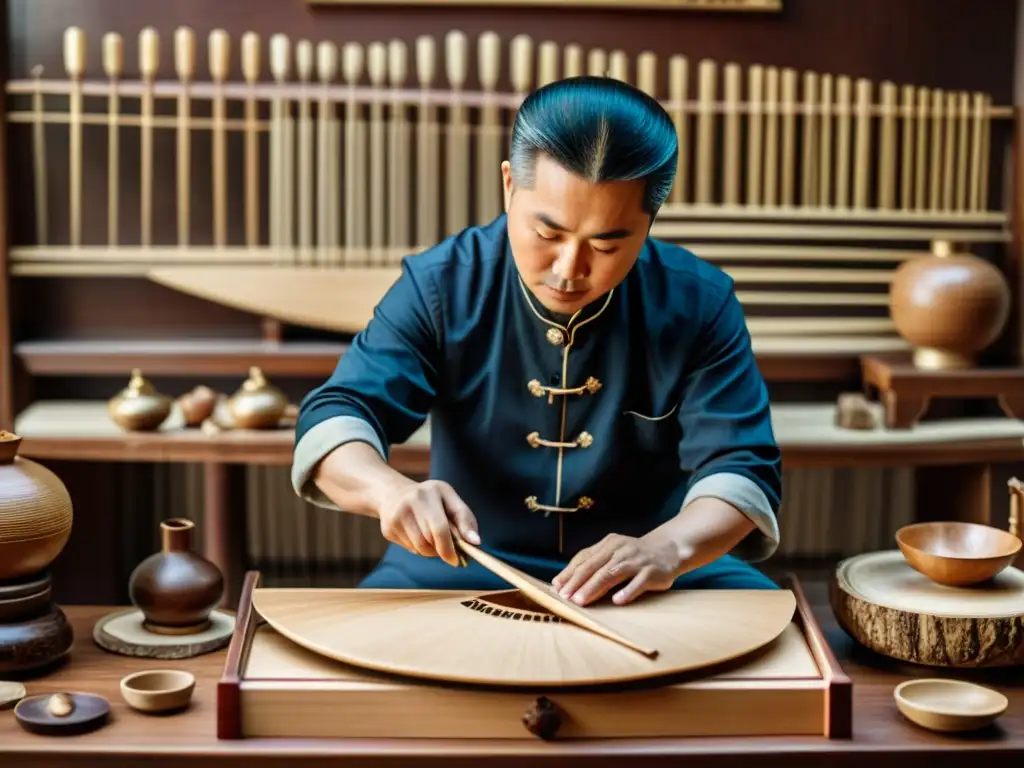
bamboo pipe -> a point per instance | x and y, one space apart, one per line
149 63
113 67
185 67
74 65
251 75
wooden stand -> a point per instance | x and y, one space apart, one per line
34 632
890 608
907 391
273 688
124 632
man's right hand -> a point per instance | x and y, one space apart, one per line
421 517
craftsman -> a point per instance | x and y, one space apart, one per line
597 417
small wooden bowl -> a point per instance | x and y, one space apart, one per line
957 554
949 706
158 690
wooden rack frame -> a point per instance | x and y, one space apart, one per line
808 188
332 158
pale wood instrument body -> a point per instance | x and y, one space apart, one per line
273 687
889 607
444 635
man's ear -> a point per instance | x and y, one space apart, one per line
506 182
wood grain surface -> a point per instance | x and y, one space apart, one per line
881 736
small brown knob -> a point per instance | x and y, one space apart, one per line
543 718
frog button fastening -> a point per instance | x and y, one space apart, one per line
555 336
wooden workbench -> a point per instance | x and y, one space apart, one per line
881 736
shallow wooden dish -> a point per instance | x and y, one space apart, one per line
272 687
957 554
949 706
88 713
158 690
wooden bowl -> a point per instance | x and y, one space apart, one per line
158 690
949 706
957 554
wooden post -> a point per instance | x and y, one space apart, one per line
1014 270
960 492
6 314
224 540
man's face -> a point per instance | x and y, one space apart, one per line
573 241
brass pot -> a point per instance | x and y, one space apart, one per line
139 407
257 404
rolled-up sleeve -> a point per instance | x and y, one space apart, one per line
383 386
728 443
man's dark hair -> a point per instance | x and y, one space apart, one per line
600 129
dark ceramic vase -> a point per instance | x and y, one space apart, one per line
176 589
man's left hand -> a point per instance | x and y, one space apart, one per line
648 563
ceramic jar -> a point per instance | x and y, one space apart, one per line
139 407
175 588
949 305
35 513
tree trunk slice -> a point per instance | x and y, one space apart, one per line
124 632
887 606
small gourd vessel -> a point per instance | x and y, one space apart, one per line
257 404
139 407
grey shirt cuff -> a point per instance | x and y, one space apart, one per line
744 494
319 441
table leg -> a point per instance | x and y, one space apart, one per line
224 539
961 493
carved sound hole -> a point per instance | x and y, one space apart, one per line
511 605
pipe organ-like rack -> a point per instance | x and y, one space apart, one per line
808 188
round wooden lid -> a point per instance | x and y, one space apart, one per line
502 638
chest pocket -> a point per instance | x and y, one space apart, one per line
653 433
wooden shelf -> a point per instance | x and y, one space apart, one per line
232 357
81 430
162 357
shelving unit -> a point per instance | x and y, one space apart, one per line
812 252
